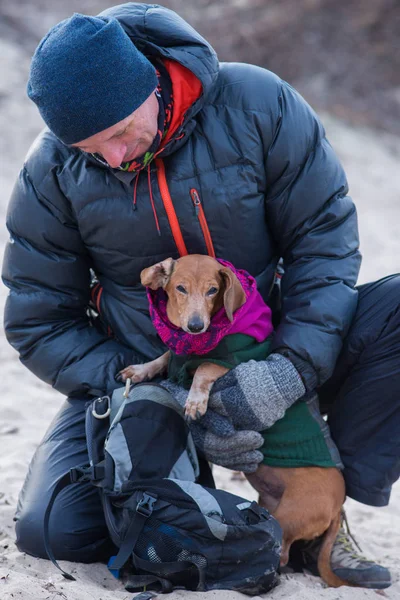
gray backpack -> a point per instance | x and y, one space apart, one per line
170 530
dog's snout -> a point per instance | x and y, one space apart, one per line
195 324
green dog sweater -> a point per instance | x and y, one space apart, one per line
300 439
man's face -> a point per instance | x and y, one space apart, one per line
127 139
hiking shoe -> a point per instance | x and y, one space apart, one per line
346 562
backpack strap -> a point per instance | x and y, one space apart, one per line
144 509
62 483
76 475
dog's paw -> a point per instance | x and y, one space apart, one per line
136 373
196 406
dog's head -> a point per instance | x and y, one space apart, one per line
197 287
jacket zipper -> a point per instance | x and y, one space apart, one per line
203 221
171 214
169 208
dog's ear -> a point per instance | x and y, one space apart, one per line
158 275
234 296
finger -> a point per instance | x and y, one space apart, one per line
215 402
216 423
237 462
247 440
224 382
235 445
247 468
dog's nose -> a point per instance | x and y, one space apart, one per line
195 324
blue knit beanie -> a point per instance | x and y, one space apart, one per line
87 75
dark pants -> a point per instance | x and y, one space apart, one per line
362 399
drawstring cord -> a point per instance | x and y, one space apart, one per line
152 200
151 197
135 191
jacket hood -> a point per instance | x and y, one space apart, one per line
159 31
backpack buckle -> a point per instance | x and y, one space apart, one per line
145 505
87 473
79 474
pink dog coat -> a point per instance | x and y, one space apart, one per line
253 319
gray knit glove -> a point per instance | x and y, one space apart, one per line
249 398
236 450
253 395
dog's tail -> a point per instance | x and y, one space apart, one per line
324 558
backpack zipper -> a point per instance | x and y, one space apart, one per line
194 194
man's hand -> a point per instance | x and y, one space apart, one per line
253 396
248 399
236 450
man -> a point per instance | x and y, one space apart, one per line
155 149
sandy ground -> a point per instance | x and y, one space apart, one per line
27 405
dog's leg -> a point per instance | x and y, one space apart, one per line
145 371
269 486
309 507
204 377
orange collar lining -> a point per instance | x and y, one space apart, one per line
186 89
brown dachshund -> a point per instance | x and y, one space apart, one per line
197 287
306 501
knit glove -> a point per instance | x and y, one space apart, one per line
253 395
249 398
236 450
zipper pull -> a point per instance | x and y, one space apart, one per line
196 200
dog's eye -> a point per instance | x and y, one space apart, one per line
212 291
181 289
